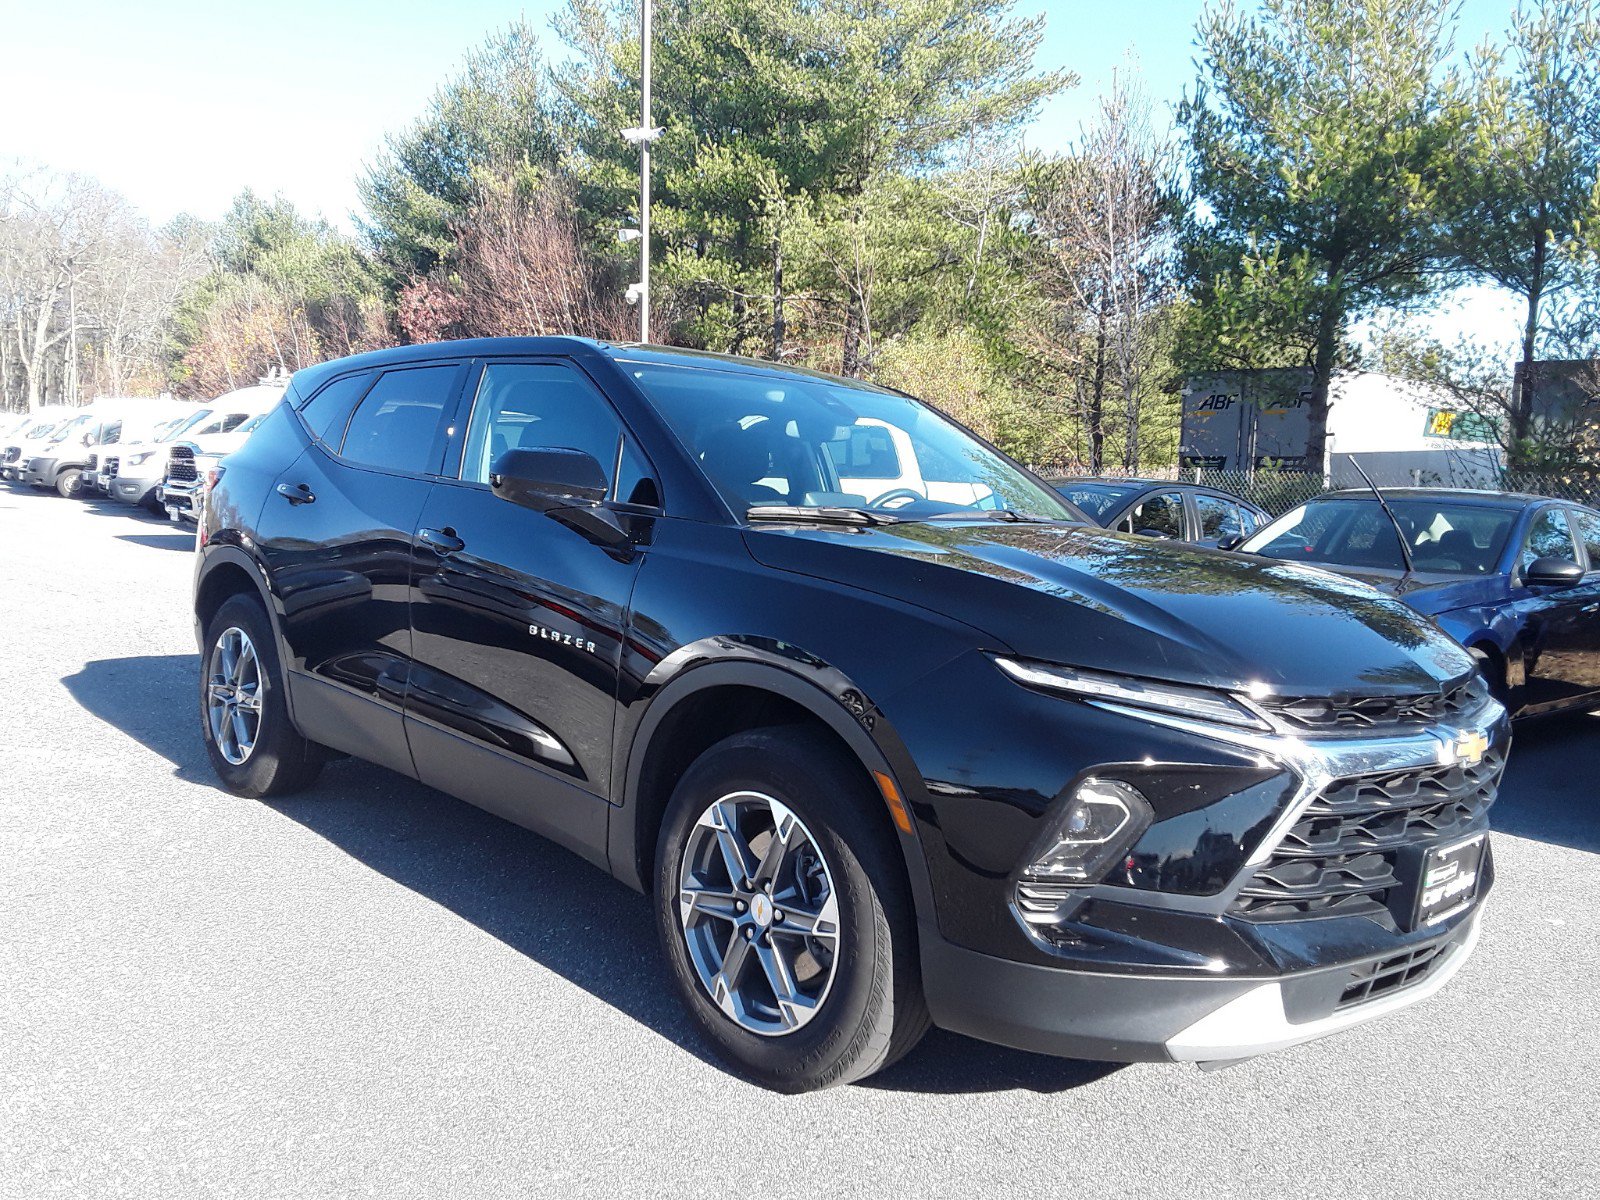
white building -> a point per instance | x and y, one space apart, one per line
1402 433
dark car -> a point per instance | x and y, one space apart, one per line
1180 512
1513 578
882 760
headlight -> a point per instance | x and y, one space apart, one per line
1178 699
135 459
1101 819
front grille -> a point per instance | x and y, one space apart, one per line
111 467
1339 858
181 468
1384 975
12 454
1359 714
94 465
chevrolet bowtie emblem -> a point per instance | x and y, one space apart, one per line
1470 748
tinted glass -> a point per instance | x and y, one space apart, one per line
765 439
1096 499
1444 537
1218 517
1156 516
523 406
868 453
1589 533
395 425
329 410
1550 537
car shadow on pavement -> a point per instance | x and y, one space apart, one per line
1548 793
178 539
512 884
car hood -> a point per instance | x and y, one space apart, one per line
1432 593
1086 597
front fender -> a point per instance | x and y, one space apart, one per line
783 670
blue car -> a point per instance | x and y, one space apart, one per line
1513 578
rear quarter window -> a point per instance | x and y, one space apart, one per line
328 412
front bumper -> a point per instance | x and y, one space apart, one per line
1178 1018
131 489
40 472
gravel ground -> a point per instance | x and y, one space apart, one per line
372 989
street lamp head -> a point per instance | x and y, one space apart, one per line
628 235
639 133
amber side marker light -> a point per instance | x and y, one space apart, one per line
891 797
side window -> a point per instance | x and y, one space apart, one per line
868 453
232 421
529 406
327 413
1218 517
1550 537
1589 531
1156 516
396 424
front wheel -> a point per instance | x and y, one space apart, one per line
782 909
70 483
253 747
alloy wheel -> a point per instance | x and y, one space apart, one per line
759 913
233 695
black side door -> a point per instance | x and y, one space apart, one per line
518 618
1554 620
338 536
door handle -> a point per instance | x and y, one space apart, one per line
298 493
444 541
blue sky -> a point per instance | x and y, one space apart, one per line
179 104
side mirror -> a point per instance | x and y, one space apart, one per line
1552 572
1231 541
567 486
547 480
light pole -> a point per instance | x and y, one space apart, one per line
644 134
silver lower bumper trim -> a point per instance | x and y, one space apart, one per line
1255 1023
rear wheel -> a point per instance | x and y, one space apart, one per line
782 909
253 748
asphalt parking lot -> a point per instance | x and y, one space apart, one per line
372 989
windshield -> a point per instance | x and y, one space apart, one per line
40 430
818 442
70 426
1096 499
1453 538
166 429
188 423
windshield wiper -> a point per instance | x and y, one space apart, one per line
818 514
991 514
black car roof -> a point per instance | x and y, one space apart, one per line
310 378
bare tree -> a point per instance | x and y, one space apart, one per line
87 289
522 269
1105 217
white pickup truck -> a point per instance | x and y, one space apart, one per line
192 453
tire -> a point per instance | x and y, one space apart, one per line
862 1004
277 760
69 483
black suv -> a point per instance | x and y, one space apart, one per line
892 736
